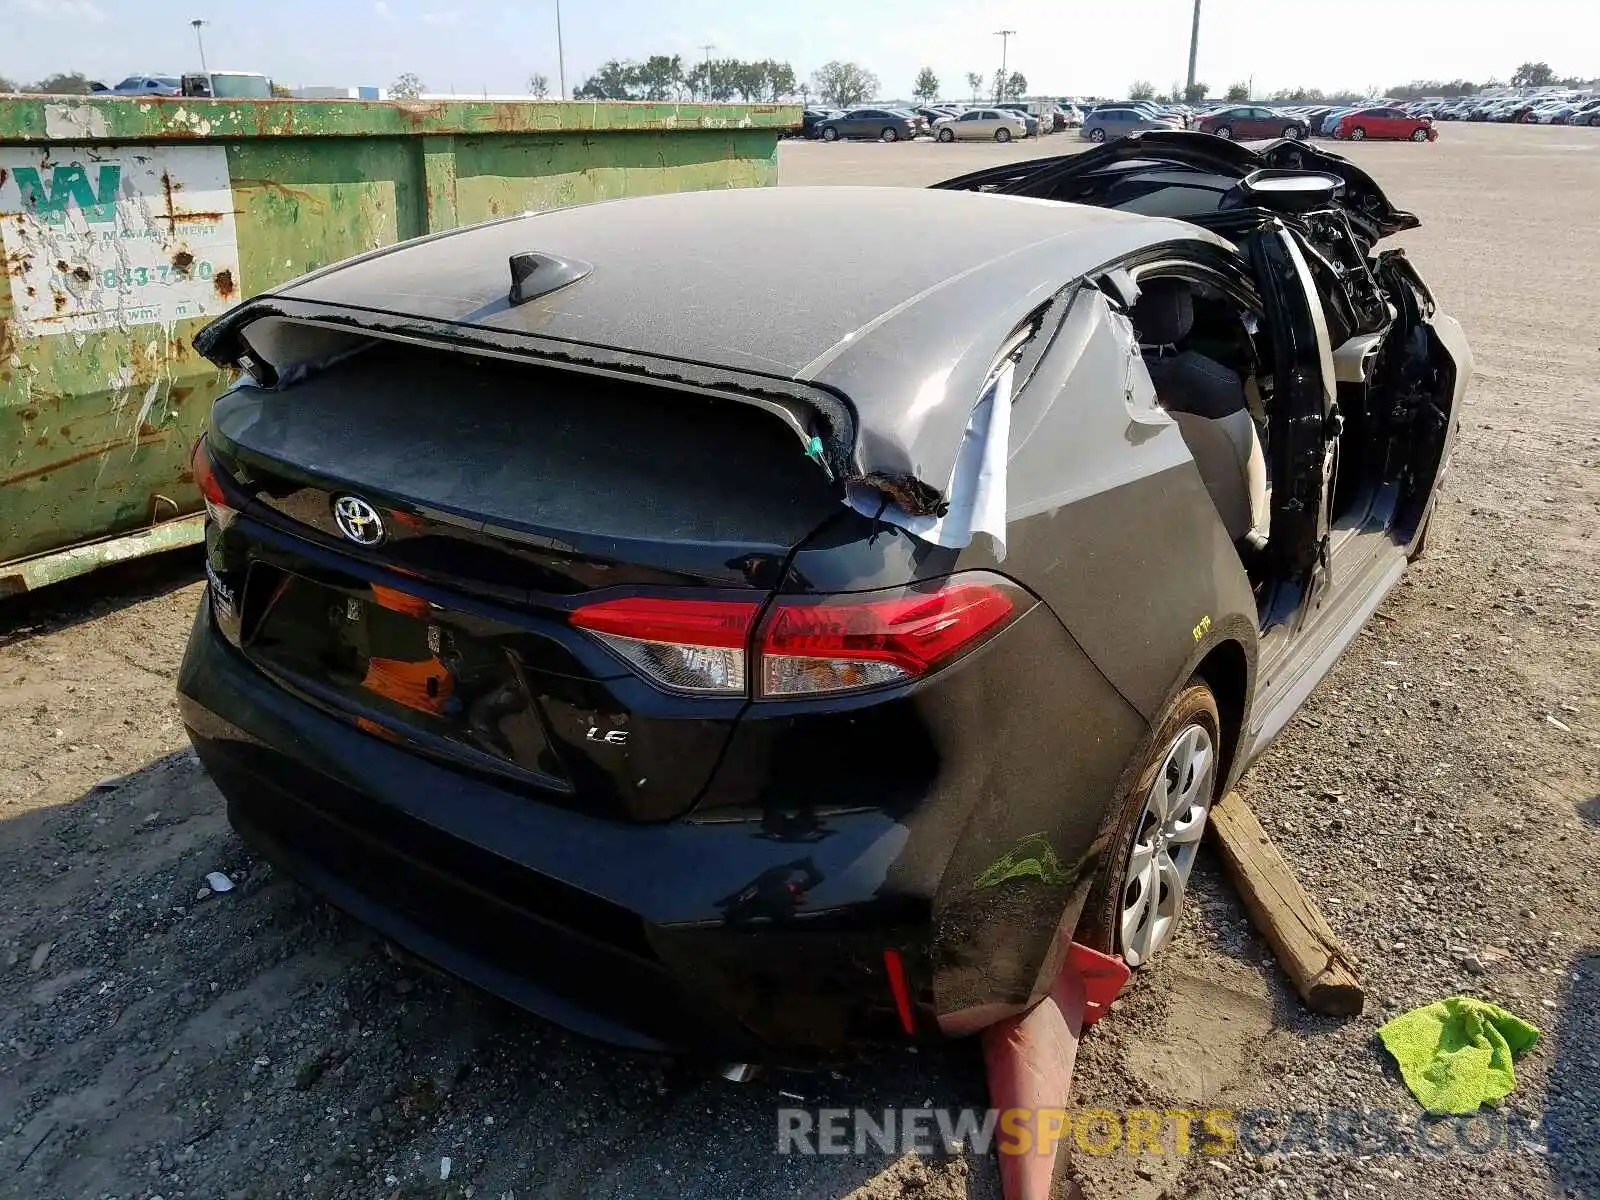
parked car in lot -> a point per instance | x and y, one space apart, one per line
1109 124
1331 122
704 699
1566 112
811 118
987 124
1047 114
884 124
1020 110
1389 123
148 85
1246 122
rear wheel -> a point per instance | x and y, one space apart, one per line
830 134
947 135
1225 132
1419 135
1358 134
1292 132
889 134
1097 135
1136 904
1002 134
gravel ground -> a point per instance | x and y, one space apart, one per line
1438 796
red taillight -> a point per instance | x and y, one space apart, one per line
204 472
842 643
684 644
806 646
205 475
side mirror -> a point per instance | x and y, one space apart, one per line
1285 191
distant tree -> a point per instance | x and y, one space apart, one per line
615 80
659 77
1532 74
717 79
781 82
927 85
7 85
66 83
1141 89
281 91
974 84
844 84
1300 95
1009 87
1418 88
408 87
539 85
1238 92
1195 92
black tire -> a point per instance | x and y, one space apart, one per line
947 135
1292 132
1098 925
1358 134
1225 132
889 134
830 134
1419 135
1097 135
1002 134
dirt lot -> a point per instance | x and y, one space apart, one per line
1438 796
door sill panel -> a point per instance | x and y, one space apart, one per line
1294 663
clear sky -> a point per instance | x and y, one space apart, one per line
1063 47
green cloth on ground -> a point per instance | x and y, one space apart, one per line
1456 1054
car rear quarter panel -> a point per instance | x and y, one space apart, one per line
1110 522
1112 527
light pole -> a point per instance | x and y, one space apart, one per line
561 55
1005 36
1194 47
200 41
705 67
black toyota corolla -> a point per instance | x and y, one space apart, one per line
715 645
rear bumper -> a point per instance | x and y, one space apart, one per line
723 938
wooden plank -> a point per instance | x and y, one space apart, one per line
1319 967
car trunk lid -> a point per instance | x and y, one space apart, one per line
418 525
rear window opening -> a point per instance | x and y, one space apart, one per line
539 448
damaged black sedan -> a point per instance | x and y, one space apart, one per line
717 645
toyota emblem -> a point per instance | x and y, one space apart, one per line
358 520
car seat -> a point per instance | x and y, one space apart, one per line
1209 403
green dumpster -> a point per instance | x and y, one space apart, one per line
127 223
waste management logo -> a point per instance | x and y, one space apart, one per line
1151 1131
70 186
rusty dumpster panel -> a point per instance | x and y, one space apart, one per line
126 224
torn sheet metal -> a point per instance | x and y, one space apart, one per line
977 491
